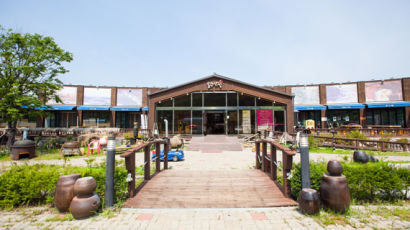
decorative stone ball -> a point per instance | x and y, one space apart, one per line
334 168
85 186
360 156
309 201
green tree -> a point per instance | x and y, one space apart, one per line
29 67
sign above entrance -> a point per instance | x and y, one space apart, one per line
215 84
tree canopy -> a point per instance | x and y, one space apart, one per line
29 68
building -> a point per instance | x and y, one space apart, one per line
219 105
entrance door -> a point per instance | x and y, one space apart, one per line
215 122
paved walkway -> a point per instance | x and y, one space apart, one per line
215 143
210 189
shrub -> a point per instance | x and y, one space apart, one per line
35 184
313 142
367 182
355 134
403 140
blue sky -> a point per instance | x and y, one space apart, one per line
165 43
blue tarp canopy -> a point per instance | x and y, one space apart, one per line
346 106
123 108
389 104
100 108
310 107
144 108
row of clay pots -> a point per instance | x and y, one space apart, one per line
334 192
77 195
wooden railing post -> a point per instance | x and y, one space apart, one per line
147 160
264 154
257 154
130 166
357 143
158 157
287 166
166 149
273 167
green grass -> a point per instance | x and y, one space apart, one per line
346 151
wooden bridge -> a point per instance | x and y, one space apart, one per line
210 188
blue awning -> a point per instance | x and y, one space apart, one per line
61 107
52 107
144 108
98 108
310 107
346 106
119 108
389 104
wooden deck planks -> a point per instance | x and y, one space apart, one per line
209 189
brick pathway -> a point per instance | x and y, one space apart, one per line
209 189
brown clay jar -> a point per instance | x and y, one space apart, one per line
85 186
84 206
334 193
65 191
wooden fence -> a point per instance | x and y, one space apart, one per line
130 162
268 162
370 132
348 143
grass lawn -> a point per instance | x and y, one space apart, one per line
346 151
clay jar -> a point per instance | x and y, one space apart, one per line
84 206
65 191
334 193
85 186
360 156
334 168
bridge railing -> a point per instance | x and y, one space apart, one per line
268 162
129 156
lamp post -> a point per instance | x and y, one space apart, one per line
109 176
333 131
304 159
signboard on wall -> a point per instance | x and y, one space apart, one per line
246 121
308 95
339 94
97 96
264 118
129 97
67 94
383 91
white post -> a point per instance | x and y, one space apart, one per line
166 127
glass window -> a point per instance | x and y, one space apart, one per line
400 117
232 122
339 117
161 115
385 117
100 119
197 99
246 100
183 101
196 122
164 103
232 99
215 99
182 121
126 119
60 119
263 102
279 121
